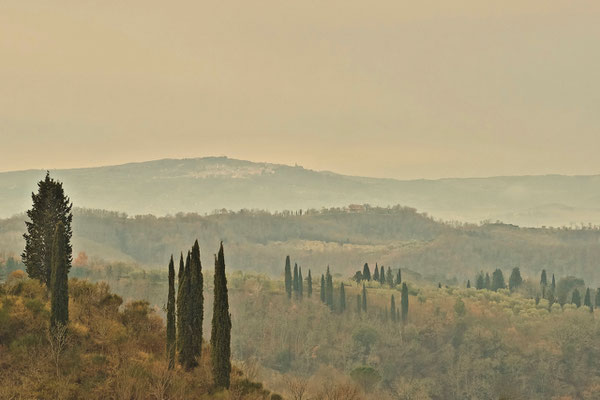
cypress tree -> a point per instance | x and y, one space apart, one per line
468 284
498 280
220 338
399 277
288 277
182 309
171 340
300 283
404 302
480 281
587 300
543 278
553 283
295 280
342 298
366 272
59 280
576 299
364 298
515 279
323 296
309 284
488 283
197 301
376 273
329 289
390 277
181 269
382 275
439 285
393 309
50 206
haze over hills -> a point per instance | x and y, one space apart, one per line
203 185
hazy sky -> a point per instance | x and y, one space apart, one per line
379 88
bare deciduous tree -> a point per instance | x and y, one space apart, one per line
59 338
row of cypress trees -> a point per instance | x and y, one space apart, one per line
294 283
185 314
379 275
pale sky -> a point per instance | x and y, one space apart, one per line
420 89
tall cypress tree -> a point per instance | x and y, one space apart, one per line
468 284
399 277
366 272
323 296
288 277
220 338
309 284
300 283
197 301
515 279
498 280
376 273
576 299
480 281
553 283
364 298
543 278
329 289
342 298
390 277
404 302
59 280
382 275
295 280
181 269
182 308
171 339
393 309
50 206
587 300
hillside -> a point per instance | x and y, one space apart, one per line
202 185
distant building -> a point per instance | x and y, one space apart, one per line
355 208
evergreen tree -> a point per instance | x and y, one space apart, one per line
59 279
515 280
488 283
309 284
404 302
220 338
480 281
50 206
587 300
376 273
393 309
300 283
597 298
553 283
382 275
364 298
468 284
197 300
399 277
342 298
498 280
181 269
366 272
390 277
295 281
288 277
329 289
323 295
182 308
439 285
543 278
171 339
576 299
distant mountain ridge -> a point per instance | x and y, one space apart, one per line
202 185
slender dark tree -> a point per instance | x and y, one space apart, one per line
366 272
587 300
498 280
288 277
468 284
488 283
399 277
295 284
515 280
439 285
171 330
50 206
323 295
181 269
183 288
389 277
197 300
393 309
59 279
543 278
576 299
329 289
382 275
404 302
300 283
480 281
309 284
220 338
342 298
376 273
364 298
553 283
